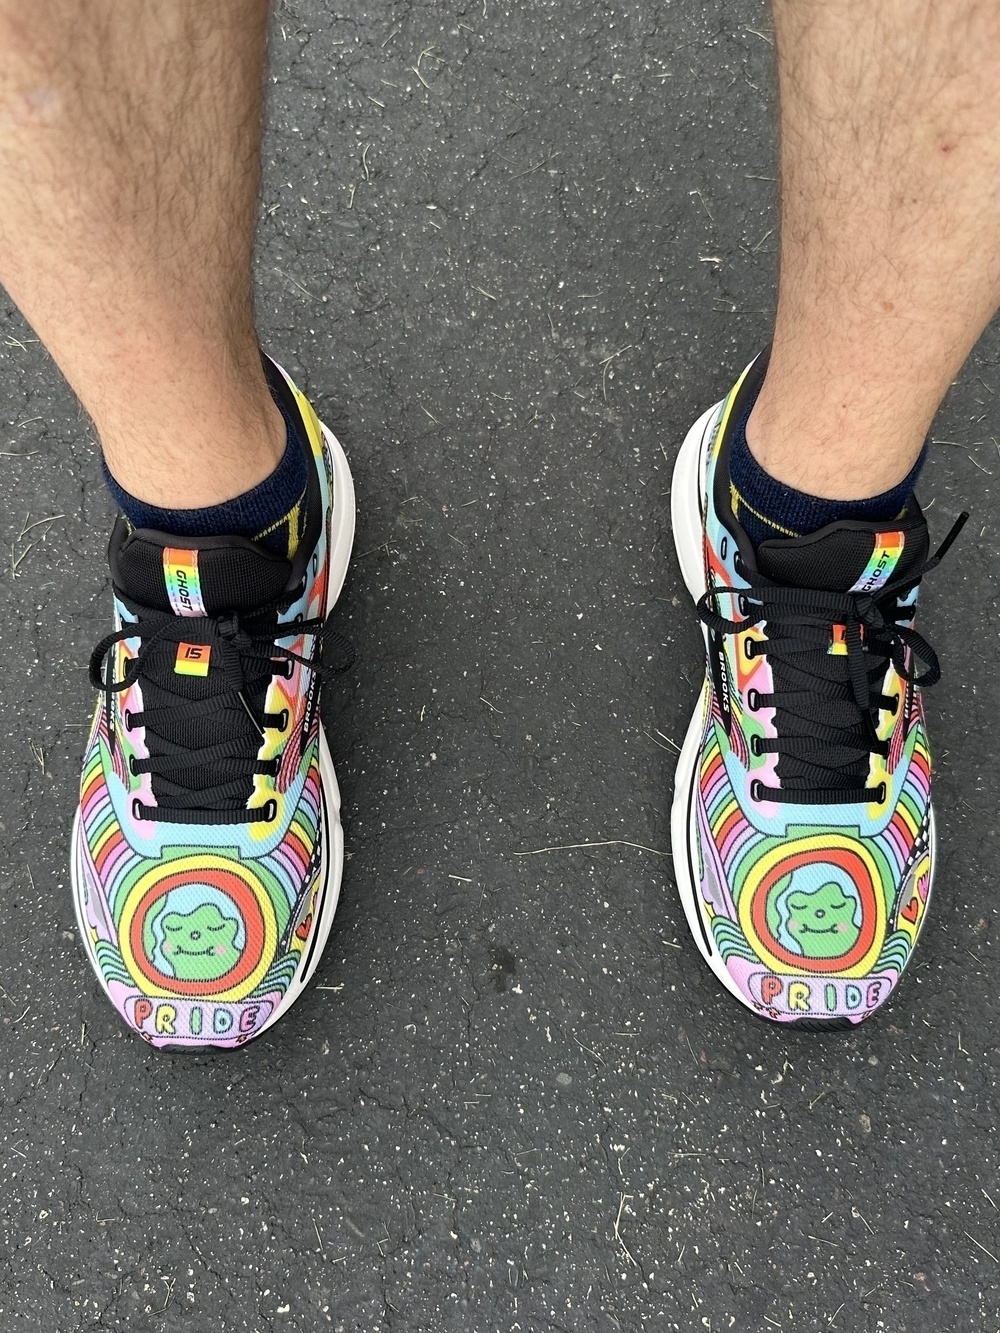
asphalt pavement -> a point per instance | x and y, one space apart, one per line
511 252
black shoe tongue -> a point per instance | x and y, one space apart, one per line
195 576
848 556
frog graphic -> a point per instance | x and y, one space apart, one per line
200 945
820 923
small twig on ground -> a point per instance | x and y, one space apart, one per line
37 523
171 1283
606 364
618 1235
589 1051
983 1248
537 167
607 842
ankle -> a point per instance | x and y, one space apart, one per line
820 444
271 512
768 507
191 460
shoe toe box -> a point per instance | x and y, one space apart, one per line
821 929
194 951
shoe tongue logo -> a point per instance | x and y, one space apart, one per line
183 582
192 659
882 562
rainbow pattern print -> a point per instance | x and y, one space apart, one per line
180 574
813 910
881 563
197 932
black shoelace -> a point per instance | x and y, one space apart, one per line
827 704
204 734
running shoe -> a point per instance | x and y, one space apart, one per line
802 829
207 847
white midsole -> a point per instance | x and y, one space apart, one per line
689 542
332 834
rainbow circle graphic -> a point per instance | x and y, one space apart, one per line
247 894
765 877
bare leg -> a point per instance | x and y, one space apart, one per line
129 140
890 252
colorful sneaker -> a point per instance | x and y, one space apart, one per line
802 832
207 849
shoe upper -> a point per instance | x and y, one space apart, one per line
811 806
200 841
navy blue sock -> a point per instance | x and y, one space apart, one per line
765 507
272 513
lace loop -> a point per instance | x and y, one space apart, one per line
202 757
827 702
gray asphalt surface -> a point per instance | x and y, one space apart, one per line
512 253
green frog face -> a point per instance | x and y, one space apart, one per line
200 945
822 921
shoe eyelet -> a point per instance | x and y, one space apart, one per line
283 666
755 745
127 719
138 808
749 648
282 723
132 761
270 809
895 704
880 794
757 790
753 700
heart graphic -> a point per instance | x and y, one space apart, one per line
302 929
911 911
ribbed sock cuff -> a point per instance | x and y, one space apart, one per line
766 508
270 513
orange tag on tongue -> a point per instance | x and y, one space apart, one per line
192 659
839 642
